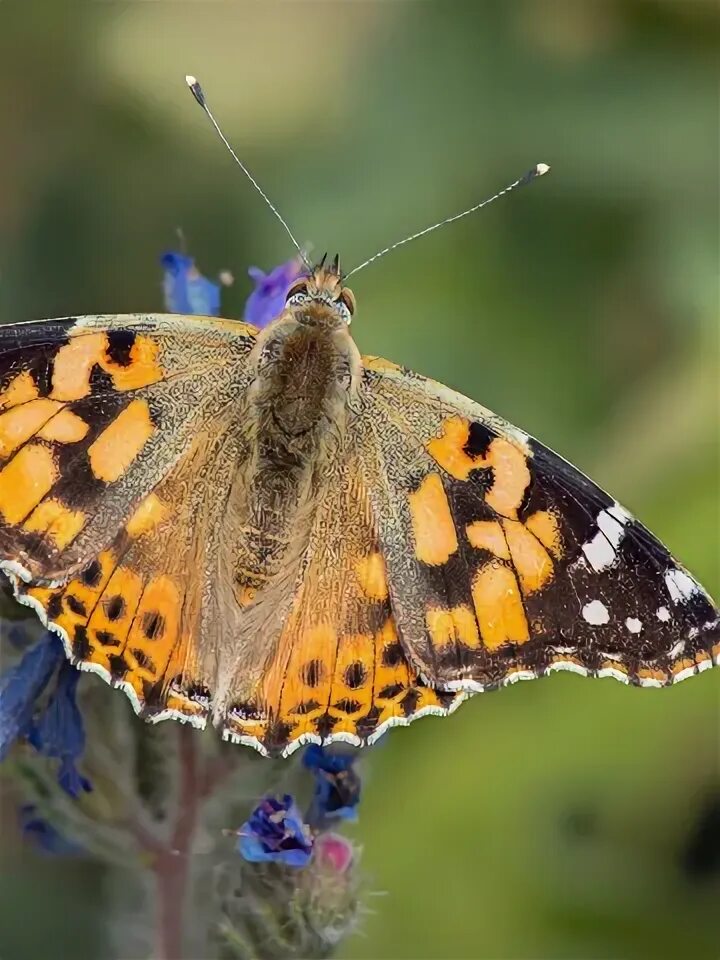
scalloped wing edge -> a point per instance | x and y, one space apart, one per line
15 572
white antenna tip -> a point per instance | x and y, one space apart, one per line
196 90
540 169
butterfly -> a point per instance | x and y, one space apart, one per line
302 544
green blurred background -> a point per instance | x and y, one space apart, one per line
562 818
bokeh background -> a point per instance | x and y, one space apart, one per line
562 818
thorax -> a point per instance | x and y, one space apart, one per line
306 376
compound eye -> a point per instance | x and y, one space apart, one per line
298 289
348 298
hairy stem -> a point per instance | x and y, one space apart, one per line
172 863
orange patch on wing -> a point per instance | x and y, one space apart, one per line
305 679
545 527
20 423
679 665
150 512
126 585
488 535
113 615
76 590
352 683
184 705
394 672
614 665
120 442
498 606
372 576
25 480
648 673
391 678
154 632
65 427
567 658
73 364
448 450
457 624
21 389
432 522
58 521
142 368
512 477
530 558
509 463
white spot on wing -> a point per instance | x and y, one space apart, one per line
680 585
601 551
610 526
677 649
595 613
663 614
620 513
633 624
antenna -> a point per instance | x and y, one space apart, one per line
537 171
198 93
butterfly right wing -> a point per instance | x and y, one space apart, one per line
504 561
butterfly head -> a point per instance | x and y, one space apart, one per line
321 294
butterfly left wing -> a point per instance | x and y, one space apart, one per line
505 562
120 437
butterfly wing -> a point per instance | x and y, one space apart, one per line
505 562
116 434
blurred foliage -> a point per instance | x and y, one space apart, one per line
553 819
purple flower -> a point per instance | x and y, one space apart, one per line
186 289
275 831
59 731
44 835
337 785
268 298
21 685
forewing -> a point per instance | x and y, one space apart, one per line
118 436
505 562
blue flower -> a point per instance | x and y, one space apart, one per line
44 835
20 687
186 289
59 731
337 785
275 831
268 298
16 635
